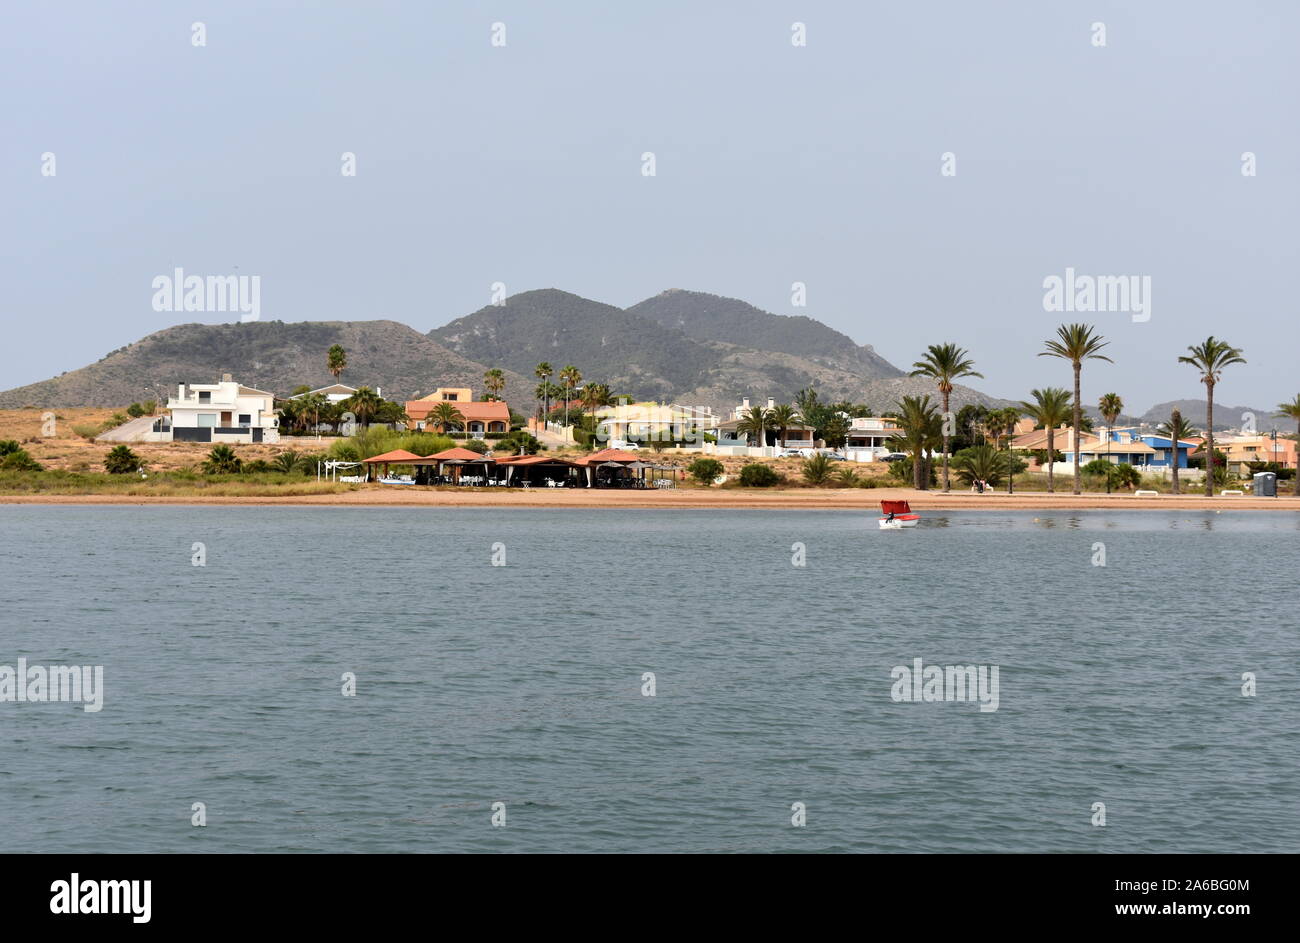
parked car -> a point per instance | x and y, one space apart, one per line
835 456
789 453
894 457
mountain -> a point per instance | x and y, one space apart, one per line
712 317
270 355
1225 417
686 347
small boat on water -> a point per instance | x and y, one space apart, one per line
898 514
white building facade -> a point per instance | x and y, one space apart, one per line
218 412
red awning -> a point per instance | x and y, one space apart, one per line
399 456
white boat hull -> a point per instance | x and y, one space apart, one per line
897 523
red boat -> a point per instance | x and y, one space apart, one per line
898 514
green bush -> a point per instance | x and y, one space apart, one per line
135 410
474 445
849 478
758 475
121 461
222 460
88 430
14 457
817 469
705 470
511 444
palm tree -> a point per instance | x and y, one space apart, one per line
287 461
1076 343
222 460
336 360
922 430
817 470
755 423
1292 410
1176 428
494 381
983 463
1110 406
945 363
363 404
570 376
1210 357
446 415
1050 408
781 417
544 372
594 396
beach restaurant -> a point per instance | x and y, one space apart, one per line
608 468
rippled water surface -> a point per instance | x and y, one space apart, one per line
522 684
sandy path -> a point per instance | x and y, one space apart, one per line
806 499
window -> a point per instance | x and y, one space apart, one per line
207 420
245 419
205 396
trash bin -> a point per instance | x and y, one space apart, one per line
1266 484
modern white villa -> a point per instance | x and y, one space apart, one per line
218 412
867 438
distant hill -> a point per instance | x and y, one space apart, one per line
270 355
679 346
1225 416
712 317
686 347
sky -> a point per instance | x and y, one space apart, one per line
774 163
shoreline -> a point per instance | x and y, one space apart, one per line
857 499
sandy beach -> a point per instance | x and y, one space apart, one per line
687 498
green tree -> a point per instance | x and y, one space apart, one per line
494 381
982 463
817 470
121 461
570 377
135 410
1110 406
922 432
1292 410
1076 343
286 461
1176 428
705 470
755 423
544 371
445 415
835 431
945 364
1050 408
781 418
222 460
1210 358
336 360
13 457
363 404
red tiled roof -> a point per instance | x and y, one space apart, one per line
398 455
493 411
608 455
468 455
532 460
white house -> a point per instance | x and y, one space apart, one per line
218 412
335 393
867 438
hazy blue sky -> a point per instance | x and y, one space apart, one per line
775 164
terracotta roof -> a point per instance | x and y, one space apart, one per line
496 411
397 455
532 460
468 455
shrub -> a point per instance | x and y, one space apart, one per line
705 470
222 460
759 475
257 466
14 457
848 478
286 461
817 470
121 461
511 444
135 410
87 430
474 445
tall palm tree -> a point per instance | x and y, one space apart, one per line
1210 357
494 381
945 363
594 396
363 404
1176 428
1076 343
1050 408
570 376
922 430
544 372
336 360
1110 406
1292 409
756 422
446 415
782 417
